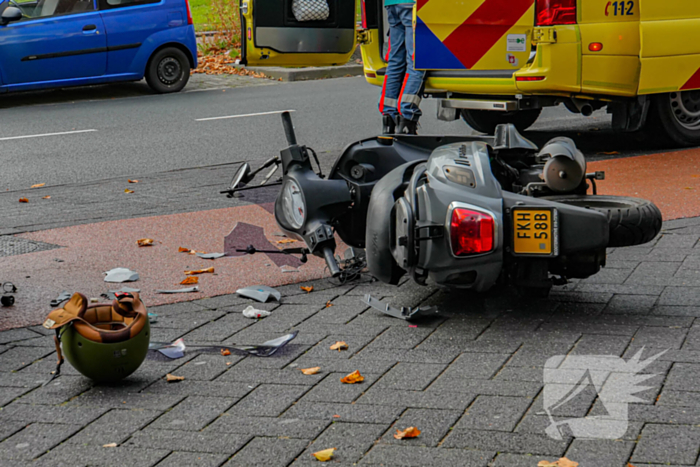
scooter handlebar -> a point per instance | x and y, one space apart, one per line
288 128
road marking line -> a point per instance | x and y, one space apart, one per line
243 115
46 134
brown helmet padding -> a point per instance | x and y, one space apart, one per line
118 322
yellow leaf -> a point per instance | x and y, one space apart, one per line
110 445
286 240
340 345
564 462
172 378
352 378
46 197
190 280
126 190
410 432
200 271
329 304
225 352
38 185
23 200
547 464
307 289
133 181
324 455
183 250
145 242
311 371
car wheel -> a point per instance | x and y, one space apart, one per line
676 117
486 121
168 70
632 221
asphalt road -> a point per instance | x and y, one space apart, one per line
114 131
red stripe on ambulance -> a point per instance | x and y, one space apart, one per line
475 37
693 82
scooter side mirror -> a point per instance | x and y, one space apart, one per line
241 176
10 14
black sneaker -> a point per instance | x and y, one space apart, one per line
407 127
389 125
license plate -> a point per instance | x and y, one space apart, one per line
535 232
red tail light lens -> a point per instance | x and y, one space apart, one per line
189 12
554 12
364 14
471 232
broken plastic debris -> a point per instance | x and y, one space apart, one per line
174 350
187 290
286 268
408 314
62 297
261 293
252 313
152 318
211 255
121 275
177 348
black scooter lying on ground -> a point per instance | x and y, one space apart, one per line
458 211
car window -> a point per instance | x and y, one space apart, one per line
110 4
32 9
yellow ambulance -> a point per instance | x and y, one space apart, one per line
503 61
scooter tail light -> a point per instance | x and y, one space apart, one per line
555 12
364 14
189 12
471 232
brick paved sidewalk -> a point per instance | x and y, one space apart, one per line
470 380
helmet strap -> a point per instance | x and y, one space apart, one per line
59 354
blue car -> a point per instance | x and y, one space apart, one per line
59 43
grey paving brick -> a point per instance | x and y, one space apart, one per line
416 399
631 304
19 334
475 366
208 367
411 376
608 276
332 390
676 241
8 394
517 443
34 440
118 398
517 460
194 413
337 314
114 427
679 398
625 289
283 318
680 296
270 452
200 459
487 387
354 413
433 424
270 376
580 327
423 456
219 330
355 344
537 354
187 321
581 297
538 423
494 413
351 440
58 391
661 414
693 311
268 400
188 441
400 338
267 426
669 338
317 328
422 354
9 428
176 308
71 455
684 377
335 365
596 344
18 357
51 414
279 359
668 444
649 255
600 452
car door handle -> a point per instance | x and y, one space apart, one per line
90 28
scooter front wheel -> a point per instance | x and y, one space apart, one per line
633 221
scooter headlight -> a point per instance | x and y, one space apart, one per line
293 204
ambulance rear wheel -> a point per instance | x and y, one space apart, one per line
676 117
486 121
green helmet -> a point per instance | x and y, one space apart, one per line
105 342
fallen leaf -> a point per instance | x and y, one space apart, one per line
307 289
172 378
410 432
329 304
352 378
38 185
200 271
547 464
228 363
126 190
324 455
340 345
145 242
46 197
110 445
133 181
183 250
286 240
336 416
23 200
562 462
194 252
629 465
225 352
190 281
311 371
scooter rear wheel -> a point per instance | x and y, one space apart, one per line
633 221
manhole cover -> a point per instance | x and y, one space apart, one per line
12 246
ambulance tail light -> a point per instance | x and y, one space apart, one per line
364 14
189 12
555 12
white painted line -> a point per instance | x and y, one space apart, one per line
243 115
46 134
